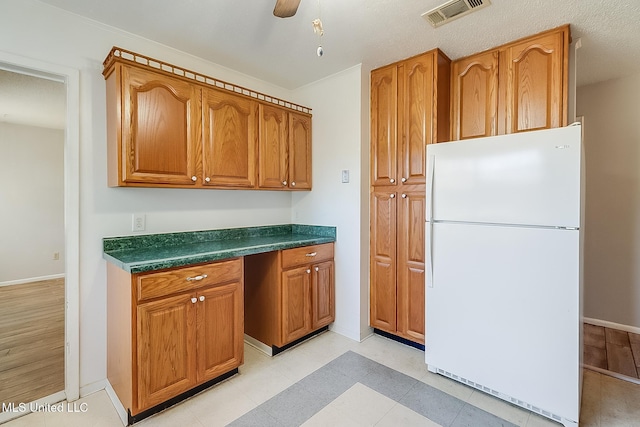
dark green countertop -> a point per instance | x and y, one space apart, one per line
137 254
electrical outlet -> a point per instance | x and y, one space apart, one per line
345 176
138 222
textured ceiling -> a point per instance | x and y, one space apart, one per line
245 36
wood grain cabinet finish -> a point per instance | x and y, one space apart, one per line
229 139
474 96
516 87
535 75
284 158
409 110
161 344
289 293
152 127
165 130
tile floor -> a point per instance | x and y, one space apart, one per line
612 350
607 402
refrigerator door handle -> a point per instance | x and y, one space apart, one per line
431 164
429 253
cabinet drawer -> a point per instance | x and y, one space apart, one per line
306 255
184 279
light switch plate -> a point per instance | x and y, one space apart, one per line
345 176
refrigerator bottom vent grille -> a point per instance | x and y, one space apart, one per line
501 395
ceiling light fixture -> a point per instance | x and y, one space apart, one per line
317 28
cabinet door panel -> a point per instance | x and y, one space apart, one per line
383 260
296 313
272 147
322 295
416 117
384 116
220 330
229 139
474 108
165 357
411 264
536 73
299 151
159 118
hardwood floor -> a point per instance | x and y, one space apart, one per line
612 349
31 340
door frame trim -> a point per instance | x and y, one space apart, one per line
71 78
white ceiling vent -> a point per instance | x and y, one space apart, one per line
452 10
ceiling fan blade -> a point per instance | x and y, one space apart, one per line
286 8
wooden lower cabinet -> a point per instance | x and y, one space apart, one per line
170 331
289 293
397 299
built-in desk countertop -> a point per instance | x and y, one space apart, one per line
141 253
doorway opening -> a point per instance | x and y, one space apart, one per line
39 252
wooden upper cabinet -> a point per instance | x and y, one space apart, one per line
272 147
535 76
171 127
415 117
157 129
299 151
229 139
384 121
517 87
474 96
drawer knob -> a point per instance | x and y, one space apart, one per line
193 300
312 254
197 278
201 298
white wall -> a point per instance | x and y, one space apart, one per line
611 113
34 30
32 202
337 142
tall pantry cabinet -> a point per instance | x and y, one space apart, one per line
409 109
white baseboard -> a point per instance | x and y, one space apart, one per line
32 279
122 412
612 374
258 345
612 325
94 387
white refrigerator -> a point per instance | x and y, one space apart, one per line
503 280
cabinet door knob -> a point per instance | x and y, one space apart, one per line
201 298
194 178
207 179
404 196
392 180
404 180
284 182
193 300
308 271
317 268
393 196
312 254
197 278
